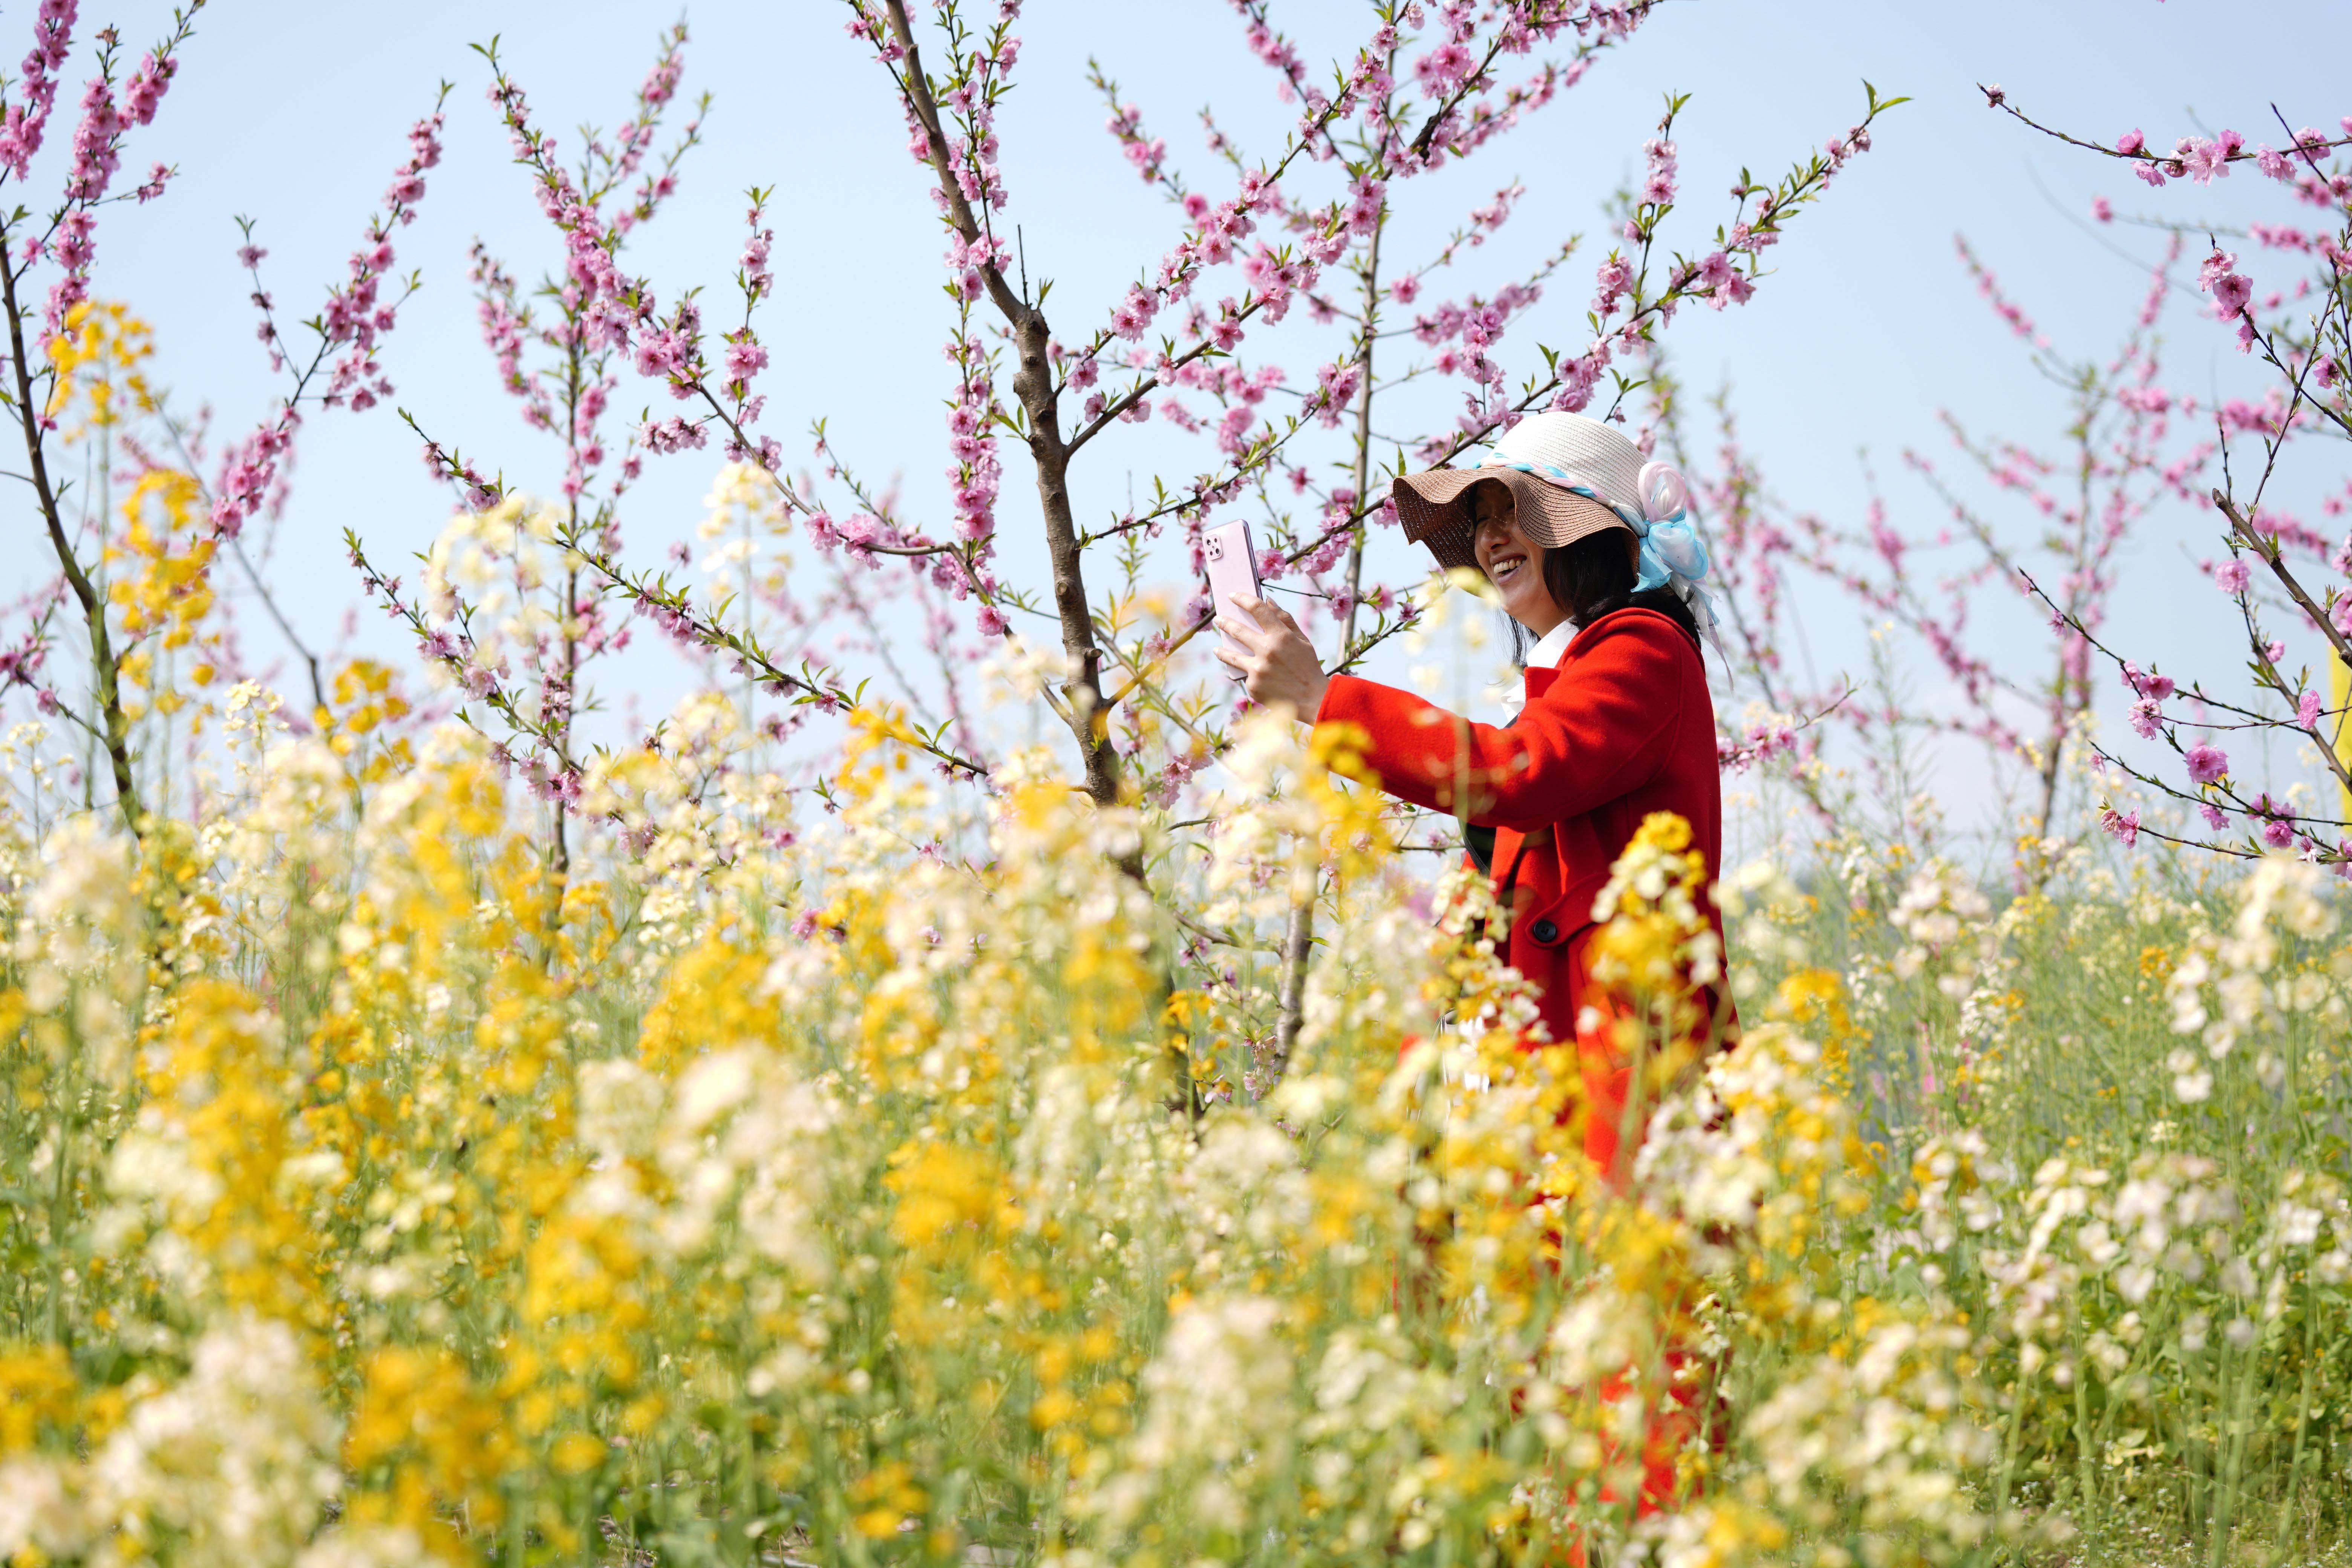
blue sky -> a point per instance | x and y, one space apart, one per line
295 115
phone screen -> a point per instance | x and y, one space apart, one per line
1233 569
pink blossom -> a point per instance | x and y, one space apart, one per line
674 434
745 360
2229 288
665 353
145 90
1441 68
2231 576
2102 209
1658 187
2206 161
2207 764
1232 430
1578 377
1336 387
2307 710
1610 282
2130 144
1727 285
1134 313
2156 687
246 470
23 124
2123 826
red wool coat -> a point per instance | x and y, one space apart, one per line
1624 727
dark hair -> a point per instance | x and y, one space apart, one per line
1590 576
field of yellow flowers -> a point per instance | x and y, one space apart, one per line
782 1186
904 1172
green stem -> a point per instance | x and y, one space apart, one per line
2085 1463
2233 1439
58 1326
2302 1414
2009 1442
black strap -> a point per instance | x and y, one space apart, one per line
1480 842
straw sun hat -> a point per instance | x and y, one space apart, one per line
1567 477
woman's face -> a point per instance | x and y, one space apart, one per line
1511 563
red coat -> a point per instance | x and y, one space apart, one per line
1624 727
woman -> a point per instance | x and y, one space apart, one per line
1587 547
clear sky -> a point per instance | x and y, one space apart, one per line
295 115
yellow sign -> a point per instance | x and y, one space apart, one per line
2339 682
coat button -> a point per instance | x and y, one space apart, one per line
1544 930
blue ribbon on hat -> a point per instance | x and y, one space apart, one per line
1671 549
1672 554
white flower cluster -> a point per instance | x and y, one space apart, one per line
1886 1428
1763 911
2177 1241
77 944
229 1469
1941 905
737 1140
1955 1178
1730 1147
2228 984
1372 1394
1244 1194
1220 1397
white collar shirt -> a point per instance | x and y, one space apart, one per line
1546 655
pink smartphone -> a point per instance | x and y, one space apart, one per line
1233 569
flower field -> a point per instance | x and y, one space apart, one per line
444 1121
787 1189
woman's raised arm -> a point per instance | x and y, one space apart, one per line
1600 729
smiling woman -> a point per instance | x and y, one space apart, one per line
1589 549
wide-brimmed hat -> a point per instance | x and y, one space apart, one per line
1567 476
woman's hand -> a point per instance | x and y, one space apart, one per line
1280 669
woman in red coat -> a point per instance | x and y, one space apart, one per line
1587 545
